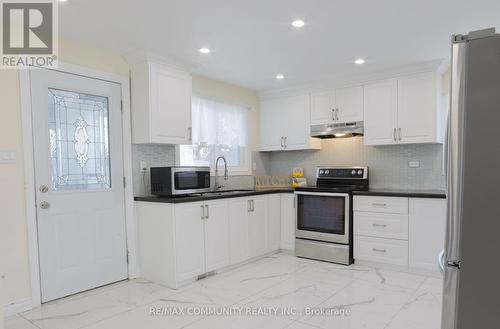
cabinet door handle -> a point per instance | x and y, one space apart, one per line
333 114
281 142
379 250
249 205
202 212
379 225
336 114
208 213
394 135
400 137
286 145
190 134
253 205
377 204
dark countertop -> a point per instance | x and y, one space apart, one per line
436 194
211 196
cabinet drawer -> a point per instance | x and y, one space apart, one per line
382 225
391 205
381 250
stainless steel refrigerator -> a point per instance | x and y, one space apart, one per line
471 258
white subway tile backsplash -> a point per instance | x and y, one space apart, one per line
388 164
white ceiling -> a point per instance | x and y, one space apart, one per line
252 40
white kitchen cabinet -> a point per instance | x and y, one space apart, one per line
381 225
399 230
272 130
427 232
238 209
339 106
248 227
216 224
178 242
288 221
257 226
388 251
349 104
161 104
380 113
274 222
418 112
189 240
322 107
407 110
285 124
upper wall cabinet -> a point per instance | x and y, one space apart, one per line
404 111
381 113
161 104
339 106
285 124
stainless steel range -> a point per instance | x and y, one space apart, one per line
324 214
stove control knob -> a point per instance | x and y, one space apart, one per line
360 172
321 172
353 172
327 172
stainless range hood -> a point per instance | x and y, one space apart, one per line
336 130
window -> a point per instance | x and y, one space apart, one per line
218 129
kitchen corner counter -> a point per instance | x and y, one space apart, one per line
434 194
212 195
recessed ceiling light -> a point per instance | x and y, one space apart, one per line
360 61
298 23
63 0
280 76
204 50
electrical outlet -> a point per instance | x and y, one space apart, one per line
143 166
414 164
7 156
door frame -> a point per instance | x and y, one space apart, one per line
29 170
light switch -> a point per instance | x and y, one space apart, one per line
7 156
414 164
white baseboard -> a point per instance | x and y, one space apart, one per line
17 307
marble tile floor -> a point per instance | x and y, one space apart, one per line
278 291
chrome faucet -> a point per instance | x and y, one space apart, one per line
217 186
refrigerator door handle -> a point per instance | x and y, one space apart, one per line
441 262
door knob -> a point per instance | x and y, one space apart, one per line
44 205
44 188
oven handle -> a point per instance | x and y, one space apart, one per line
346 195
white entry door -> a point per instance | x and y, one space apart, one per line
77 129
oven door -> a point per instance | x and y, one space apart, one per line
323 216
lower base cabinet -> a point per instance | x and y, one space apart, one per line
216 224
179 242
188 240
399 231
238 230
288 222
390 251
427 229
274 222
257 226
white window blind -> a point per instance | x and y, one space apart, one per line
218 129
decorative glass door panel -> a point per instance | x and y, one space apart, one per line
79 140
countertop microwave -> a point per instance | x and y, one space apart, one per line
172 181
